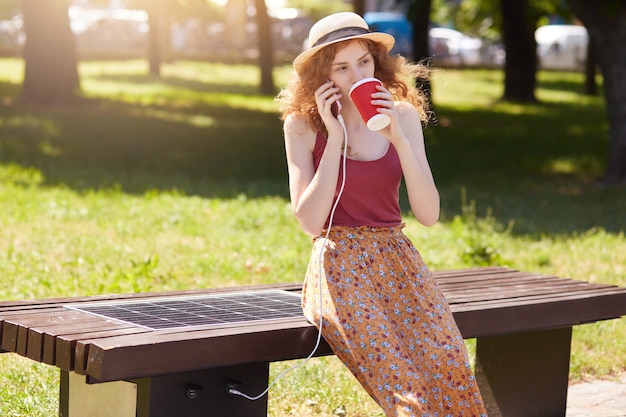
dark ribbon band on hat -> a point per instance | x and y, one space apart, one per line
340 34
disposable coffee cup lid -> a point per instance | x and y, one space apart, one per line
379 121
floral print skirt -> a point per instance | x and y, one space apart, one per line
387 321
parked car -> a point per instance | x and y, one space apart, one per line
396 25
562 47
109 30
448 47
453 48
289 29
108 34
12 33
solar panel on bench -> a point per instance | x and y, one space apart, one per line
205 310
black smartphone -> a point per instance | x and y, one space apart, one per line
335 108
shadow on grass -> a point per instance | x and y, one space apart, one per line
536 167
185 84
571 84
139 148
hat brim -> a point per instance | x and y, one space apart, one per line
384 38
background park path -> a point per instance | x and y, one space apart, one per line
598 398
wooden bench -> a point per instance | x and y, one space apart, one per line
522 321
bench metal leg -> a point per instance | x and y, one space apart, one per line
79 399
526 374
203 393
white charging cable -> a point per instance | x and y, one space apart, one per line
231 389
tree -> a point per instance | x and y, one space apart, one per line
591 87
606 23
154 9
50 63
419 15
518 35
358 7
266 50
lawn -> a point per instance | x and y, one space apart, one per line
180 182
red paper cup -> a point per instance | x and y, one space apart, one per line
361 95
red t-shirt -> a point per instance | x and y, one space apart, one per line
371 193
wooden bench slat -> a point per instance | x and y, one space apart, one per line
474 279
65 344
506 318
71 343
10 326
498 291
48 337
487 284
514 292
474 271
542 298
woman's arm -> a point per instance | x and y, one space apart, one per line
311 192
405 133
418 177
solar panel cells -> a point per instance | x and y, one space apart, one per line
205 310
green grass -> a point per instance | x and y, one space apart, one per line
180 182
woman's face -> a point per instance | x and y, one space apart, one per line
352 63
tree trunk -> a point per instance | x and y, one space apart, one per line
155 24
358 6
606 23
266 50
518 32
50 70
419 15
591 87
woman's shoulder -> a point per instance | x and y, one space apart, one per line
404 107
297 129
410 118
407 111
296 122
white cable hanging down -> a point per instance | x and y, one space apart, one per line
232 389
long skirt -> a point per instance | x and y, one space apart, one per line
386 319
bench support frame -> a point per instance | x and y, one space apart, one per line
192 394
525 374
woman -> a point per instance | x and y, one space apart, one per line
381 310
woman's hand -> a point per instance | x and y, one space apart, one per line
393 132
325 96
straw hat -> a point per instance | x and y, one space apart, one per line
336 28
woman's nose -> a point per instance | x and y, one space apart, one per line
356 75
